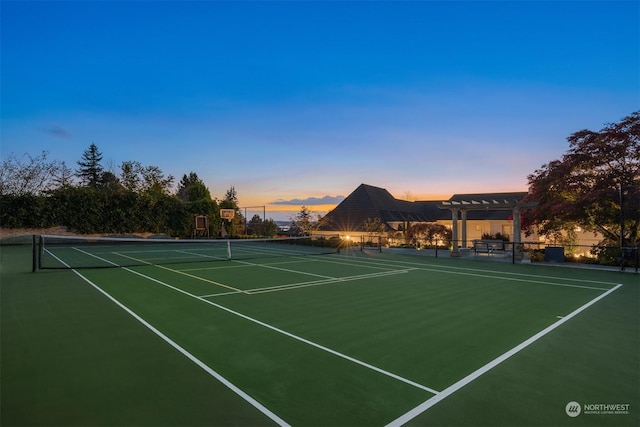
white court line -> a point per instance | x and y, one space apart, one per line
288 334
271 267
213 282
444 268
486 368
184 352
220 294
377 266
503 276
283 287
514 279
87 253
322 282
217 267
291 286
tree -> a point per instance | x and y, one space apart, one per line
130 175
373 225
583 188
191 188
90 171
270 228
109 182
29 175
154 182
255 226
428 232
147 179
63 177
232 196
302 221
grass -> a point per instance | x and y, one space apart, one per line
345 339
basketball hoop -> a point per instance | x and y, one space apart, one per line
227 214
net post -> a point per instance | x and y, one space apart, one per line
40 251
34 254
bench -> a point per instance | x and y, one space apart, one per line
488 246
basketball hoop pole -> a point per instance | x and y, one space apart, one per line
226 215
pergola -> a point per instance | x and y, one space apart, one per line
464 206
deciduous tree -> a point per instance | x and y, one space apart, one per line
303 221
31 175
583 188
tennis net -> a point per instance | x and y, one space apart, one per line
65 252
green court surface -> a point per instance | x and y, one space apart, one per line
349 339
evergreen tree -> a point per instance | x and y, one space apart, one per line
191 188
90 171
232 196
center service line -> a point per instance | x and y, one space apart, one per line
289 334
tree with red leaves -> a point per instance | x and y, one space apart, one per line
593 186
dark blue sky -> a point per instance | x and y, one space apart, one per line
289 100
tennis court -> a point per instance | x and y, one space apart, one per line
275 336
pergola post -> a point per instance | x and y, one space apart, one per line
455 252
464 227
517 250
516 225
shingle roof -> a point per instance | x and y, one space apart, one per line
368 201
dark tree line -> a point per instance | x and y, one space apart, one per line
36 192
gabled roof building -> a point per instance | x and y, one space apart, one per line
470 217
479 214
368 201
